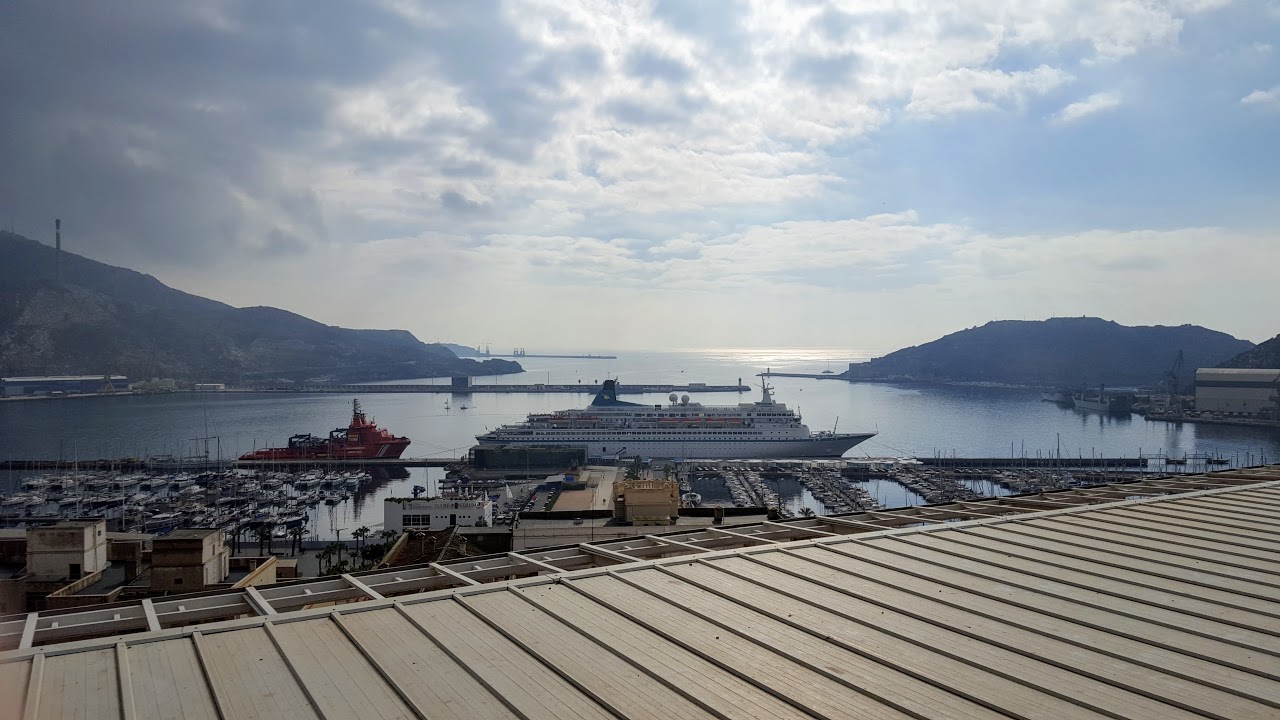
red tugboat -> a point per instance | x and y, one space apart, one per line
362 439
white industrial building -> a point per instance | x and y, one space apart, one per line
1237 391
438 513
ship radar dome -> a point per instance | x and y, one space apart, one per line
684 399
672 397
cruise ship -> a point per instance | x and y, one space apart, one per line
687 430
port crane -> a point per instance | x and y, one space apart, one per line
1173 401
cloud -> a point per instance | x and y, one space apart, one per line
650 63
703 148
1095 103
966 89
823 72
1262 97
877 281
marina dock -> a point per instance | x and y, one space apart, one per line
1034 462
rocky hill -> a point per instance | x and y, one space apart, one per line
106 319
1263 355
1060 351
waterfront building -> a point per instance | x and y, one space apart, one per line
61 384
155 385
438 513
647 501
1238 391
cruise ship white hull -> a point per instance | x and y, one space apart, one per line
710 448
609 427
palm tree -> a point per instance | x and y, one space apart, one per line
634 470
336 551
807 512
295 535
264 534
322 557
360 534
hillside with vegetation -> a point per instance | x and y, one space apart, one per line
1264 355
1055 352
104 319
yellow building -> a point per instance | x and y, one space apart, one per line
647 501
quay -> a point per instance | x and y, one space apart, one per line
1034 462
201 464
1209 420
350 463
124 465
810 376
578 388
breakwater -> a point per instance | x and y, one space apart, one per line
577 388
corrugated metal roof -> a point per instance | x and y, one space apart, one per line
606 549
1163 607
1258 374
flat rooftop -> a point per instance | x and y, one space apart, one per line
1139 605
596 493
66 524
113 576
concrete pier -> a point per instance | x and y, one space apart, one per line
576 388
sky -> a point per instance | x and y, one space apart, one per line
592 175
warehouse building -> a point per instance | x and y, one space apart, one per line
1237 391
62 385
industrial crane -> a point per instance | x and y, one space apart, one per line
1173 402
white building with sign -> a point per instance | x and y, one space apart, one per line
439 513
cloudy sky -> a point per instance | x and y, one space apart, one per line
594 175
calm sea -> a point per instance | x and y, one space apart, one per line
915 420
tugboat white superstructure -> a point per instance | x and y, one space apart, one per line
683 429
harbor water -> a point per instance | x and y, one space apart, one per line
921 420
